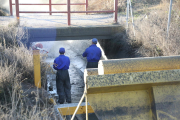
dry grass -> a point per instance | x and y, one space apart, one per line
92 5
3 11
151 31
19 99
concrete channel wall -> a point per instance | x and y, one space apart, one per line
73 33
142 94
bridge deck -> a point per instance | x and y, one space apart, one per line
47 21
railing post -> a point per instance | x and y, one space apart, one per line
17 10
69 12
116 10
50 9
86 6
10 7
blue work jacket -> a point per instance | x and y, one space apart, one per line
93 53
61 63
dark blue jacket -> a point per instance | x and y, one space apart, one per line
93 53
61 63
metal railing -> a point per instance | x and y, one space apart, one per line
17 4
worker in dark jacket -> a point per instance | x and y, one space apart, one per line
93 54
61 64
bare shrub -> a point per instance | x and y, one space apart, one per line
2 13
101 5
16 72
11 35
151 31
19 107
92 5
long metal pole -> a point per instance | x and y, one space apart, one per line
86 108
50 9
10 7
86 100
78 106
132 16
169 18
127 15
69 10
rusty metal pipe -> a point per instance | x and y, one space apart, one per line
54 4
69 12
10 7
50 9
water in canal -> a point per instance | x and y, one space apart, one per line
74 50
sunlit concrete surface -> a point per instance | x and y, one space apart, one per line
148 95
141 64
44 21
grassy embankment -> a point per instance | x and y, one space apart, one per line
151 30
19 98
150 20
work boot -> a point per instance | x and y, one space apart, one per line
61 99
60 102
68 101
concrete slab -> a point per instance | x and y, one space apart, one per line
130 105
167 102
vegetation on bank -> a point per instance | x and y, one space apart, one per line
3 11
150 25
19 98
151 30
